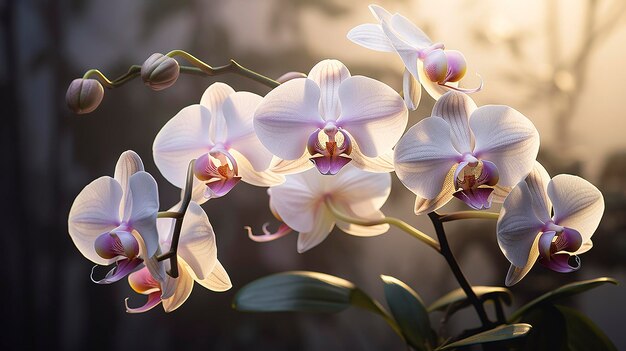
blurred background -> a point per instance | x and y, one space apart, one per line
561 63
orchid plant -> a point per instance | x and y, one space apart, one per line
325 143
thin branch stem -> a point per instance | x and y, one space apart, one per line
388 220
198 68
172 254
454 216
169 214
456 270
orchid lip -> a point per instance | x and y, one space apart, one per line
422 53
469 185
122 268
329 159
116 243
556 248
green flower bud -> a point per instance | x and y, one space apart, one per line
84 95
159 71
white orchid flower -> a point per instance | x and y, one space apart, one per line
219 134
332 118
303 201
428 63
112 217
197 261
549 221
465 152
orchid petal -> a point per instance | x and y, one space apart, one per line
370 36
537 181
456 108
518 226
198 191
287 116
360 230
424 156
295 199
373 113
158 272
218 280
283 167
408 53
382 163
506 138
500 193
184 286
409 32
183 138
412 90
379 12
239 111
213 99
128 164
423 206
197 242
94 212
329 74
363 192
154 299
586 246
250 176
577 204
323 223
515 274
144 192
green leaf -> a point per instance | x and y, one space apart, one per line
409 312
456 299
302 291
582 333
500 333
549 332
562 292
295 291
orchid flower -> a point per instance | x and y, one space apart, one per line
332 118
428 63
197 261
465 152
112 218
219 134
303 201
549 221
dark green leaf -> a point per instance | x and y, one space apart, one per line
409 312
562 292
295 291
500 333
456 299
549 332
582 333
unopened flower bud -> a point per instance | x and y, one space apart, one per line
84 95
159 71
289 76
436 66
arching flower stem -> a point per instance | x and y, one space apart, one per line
389 220
198 67
454 216
179 216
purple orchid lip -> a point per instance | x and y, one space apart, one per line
154 299
122 268
471 192
556 247
221 187
116 243
329 159
219 179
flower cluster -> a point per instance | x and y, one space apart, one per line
325 144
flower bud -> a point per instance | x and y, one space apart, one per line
457 66
436 66
159 71
289 76
84 95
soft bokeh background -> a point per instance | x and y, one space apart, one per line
559 62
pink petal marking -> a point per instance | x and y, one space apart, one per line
283 230
153 300
122 268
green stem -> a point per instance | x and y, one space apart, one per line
172 254
388 220
455 216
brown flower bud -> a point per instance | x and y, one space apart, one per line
159 71
84 95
